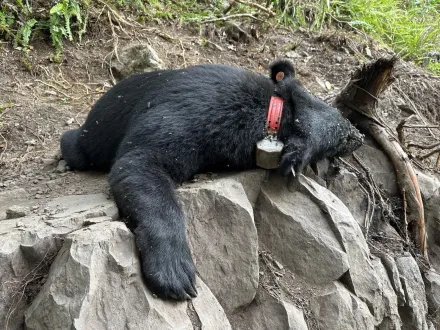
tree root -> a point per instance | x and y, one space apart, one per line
358 102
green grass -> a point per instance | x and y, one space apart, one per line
410 27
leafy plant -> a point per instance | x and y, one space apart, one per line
60 20
24 33
6 22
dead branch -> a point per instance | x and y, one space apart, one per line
421 126
422 146
430 153
400 131
225 18
361 94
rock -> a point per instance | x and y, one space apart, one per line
394 277
135 58
381 168
250 180
223 239
431 326
61 167
49 161
432 288
267 312
339 309
293 54
96 283
208 309
296 231
28 244
10 198
386 312
429 185
413 313
89 206
17 211
430 190
361 277
295 317
345 185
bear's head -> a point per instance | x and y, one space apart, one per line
310 129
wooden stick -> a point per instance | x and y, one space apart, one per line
225 18
421 126
421 146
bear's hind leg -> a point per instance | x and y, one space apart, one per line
71 152
144 193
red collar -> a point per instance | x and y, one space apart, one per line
274 115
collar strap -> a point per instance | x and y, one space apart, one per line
274 115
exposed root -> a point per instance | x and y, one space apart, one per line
361 95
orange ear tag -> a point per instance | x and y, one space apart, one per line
279 76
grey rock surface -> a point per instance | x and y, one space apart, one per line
14 197
345 186
267 312
296 231
223 239
339 309
27 244
361 276
135 58
386 311
432 288
414 312
17 211
104 289
380 167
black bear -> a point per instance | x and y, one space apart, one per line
155 130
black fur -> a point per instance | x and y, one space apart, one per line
155 130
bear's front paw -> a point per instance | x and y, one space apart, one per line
293 162
169 271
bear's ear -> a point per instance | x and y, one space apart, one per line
281 69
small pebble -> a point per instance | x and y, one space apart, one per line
17 211
49 161
61 168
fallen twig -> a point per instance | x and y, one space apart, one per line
422 146
400 131
403 94
256 5
225 18
429 154
421 126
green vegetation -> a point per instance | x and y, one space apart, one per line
410 27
